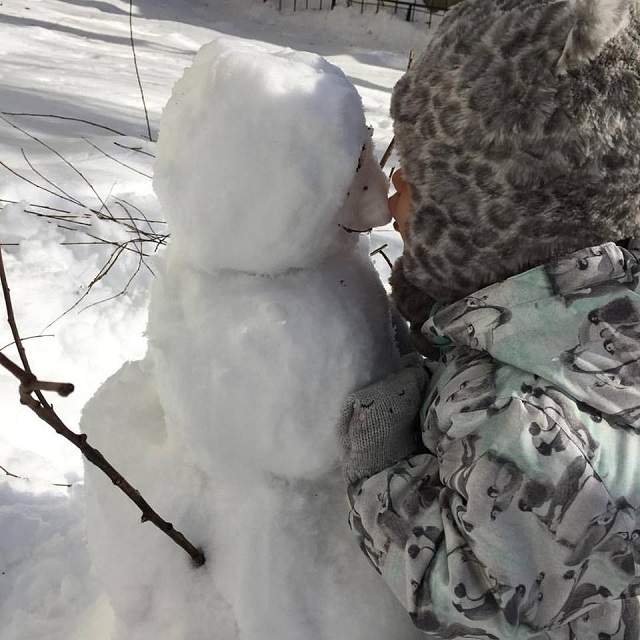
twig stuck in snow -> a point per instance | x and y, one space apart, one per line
59 155
123 164
136 149
80 217
30 386
135 63
380 250
58 117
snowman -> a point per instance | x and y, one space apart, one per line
265 313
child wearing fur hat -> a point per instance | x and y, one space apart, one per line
495 484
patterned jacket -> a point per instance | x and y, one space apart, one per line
516 517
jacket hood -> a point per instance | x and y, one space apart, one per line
574 322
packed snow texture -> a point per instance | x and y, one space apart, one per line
229 423
272 140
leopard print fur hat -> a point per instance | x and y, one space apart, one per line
518 131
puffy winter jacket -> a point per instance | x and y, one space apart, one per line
517 516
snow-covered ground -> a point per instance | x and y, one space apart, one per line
73 145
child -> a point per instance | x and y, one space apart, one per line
513 514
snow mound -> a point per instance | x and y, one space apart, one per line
256 154
265 313
45 587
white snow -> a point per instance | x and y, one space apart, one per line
256 153
46 590
241 390
73 59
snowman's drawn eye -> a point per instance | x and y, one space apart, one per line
609 346
583 264
471 330
593 317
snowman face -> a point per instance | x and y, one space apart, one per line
366 205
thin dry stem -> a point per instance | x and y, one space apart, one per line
40 335
135 64
11 475
136 149
30 386
59 155
124 164
380 250
58 117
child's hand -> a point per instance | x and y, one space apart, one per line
379 424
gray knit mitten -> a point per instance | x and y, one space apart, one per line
379 424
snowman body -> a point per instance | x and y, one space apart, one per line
265 313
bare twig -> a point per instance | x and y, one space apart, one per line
136 149
132 277
119 248
380 250
52 115
69 219
140 220
66 213
41 335
11 475
59 155
78 222
124 164
387 154
27 376
32 183
49 182
146 219
30 386
12 368
75 216
135 63
66 485
115 254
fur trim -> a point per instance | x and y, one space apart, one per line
597 22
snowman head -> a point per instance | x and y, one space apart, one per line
264 161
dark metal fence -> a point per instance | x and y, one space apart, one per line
410 10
